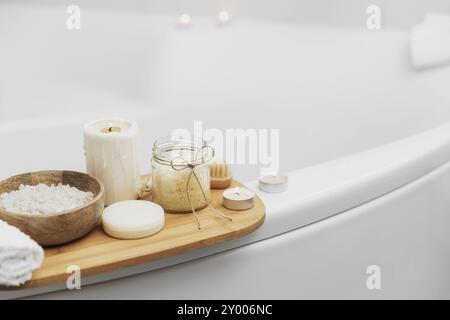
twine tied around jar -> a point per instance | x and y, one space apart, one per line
191 166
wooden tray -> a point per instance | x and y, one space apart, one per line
98 253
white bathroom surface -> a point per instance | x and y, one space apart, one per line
333 93
319 192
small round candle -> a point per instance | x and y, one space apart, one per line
238 199
273 183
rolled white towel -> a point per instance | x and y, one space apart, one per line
430 41
19 256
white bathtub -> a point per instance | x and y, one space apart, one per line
364 140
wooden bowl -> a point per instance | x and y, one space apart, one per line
57 228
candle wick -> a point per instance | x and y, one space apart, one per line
110 129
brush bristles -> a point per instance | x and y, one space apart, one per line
220 175
219 170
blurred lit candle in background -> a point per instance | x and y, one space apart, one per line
224 17
184 20
112 155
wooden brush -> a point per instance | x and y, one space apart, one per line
220 173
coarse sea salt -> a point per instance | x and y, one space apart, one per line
42 199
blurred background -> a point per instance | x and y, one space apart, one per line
133 53
310 68
397 13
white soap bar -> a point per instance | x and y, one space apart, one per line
133 219
273 183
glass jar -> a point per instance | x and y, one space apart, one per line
175 159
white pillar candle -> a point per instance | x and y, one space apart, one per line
112 155
238 199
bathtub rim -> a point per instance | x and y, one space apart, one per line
315 194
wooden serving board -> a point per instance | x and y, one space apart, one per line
98 253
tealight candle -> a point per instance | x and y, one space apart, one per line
273 183
238 199
112 155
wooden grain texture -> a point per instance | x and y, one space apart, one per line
98 253
59 228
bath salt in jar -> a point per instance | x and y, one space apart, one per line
180 173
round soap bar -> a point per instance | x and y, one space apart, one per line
133 219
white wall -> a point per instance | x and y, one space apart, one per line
397 13
122 57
